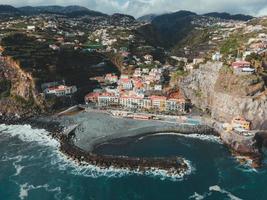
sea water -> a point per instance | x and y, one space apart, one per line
31 167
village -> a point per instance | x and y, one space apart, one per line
146 85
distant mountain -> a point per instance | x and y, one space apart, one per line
173 27
72 11
119 16
6 9
147 18
228 16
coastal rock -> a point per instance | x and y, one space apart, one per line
21 97
215 89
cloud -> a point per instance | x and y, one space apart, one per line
141 7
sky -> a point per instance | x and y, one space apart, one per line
138 8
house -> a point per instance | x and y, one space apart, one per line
91 97
158 87
135 102
158 102
137 72
189 67
145 70
180 59
148 57
108 99
242 67
217 56
241 122
54 47
30 28
176 105
126 83
248 70
124 76
60 90
111 78
240 64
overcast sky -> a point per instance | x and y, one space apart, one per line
140 7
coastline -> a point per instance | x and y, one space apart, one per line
81 133
175 166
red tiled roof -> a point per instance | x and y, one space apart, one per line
158 98
240 64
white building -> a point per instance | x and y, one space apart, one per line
107 100
217 56
61 90
148 57
158 87
175 105
30 28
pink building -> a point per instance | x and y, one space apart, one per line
240 64
92 97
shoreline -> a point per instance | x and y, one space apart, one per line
71 147
175 166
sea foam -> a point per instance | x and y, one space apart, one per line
40 136
27 134
212 189
217 188
25 188
210 138
64 163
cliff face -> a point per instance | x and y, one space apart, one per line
214 88
21 97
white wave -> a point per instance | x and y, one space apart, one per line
197 196
17 160
17 166
245 164
217 188
92 171
25 188
214 188
28 134
210 138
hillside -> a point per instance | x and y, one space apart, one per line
147 18
173 27
8 10
228 16
45 65
72 11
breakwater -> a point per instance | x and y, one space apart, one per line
173 165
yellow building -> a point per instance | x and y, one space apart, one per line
241 122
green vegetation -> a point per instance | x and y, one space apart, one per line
46 65
5 86
254 57
30 53
194 40
226 70
230 46
198 93
178 74
149 66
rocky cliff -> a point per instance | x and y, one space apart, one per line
216 89
20 96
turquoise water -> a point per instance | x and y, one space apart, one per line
32 168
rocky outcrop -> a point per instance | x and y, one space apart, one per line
22 97
215 89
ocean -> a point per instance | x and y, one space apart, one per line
32 168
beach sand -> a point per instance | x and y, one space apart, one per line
96 127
